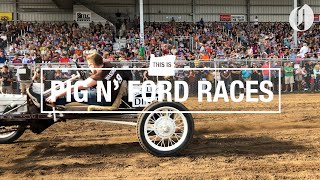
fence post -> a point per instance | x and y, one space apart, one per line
215 69
269 73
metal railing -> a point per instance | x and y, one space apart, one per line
216 63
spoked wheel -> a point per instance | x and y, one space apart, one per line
8 134
166 131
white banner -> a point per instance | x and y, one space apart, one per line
83 16
238 18
161 66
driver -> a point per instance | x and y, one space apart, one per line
94 61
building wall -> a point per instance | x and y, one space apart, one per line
314 4
271 10
6 6
211 10
163 11
45 17
36 10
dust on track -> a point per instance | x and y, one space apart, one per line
259 146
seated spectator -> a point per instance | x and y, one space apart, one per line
16 60
64 59
27 59
38 59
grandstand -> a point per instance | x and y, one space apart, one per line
201 33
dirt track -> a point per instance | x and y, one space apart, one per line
285 145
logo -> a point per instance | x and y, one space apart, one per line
299 16
83 16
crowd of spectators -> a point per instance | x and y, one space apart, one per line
56 42
195 44
215 40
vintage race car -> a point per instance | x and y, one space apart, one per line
163 128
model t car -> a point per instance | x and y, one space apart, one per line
163 128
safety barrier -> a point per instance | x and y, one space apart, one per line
139 75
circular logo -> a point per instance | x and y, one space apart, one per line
301 15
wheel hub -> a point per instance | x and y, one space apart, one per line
165 127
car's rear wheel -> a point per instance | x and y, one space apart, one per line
8 134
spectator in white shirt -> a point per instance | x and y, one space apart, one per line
256 22
304 50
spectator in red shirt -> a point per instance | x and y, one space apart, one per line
16 59
64 59
266 72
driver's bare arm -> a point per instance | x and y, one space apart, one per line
84 85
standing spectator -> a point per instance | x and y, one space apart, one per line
25 78
275 77
299 74
312 83
3 58
225 76
49 75
192 83
256 75
309 70
266 71
235 74
246 76
6 80
288 76
256 22
316 73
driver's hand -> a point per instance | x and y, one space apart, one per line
51 99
